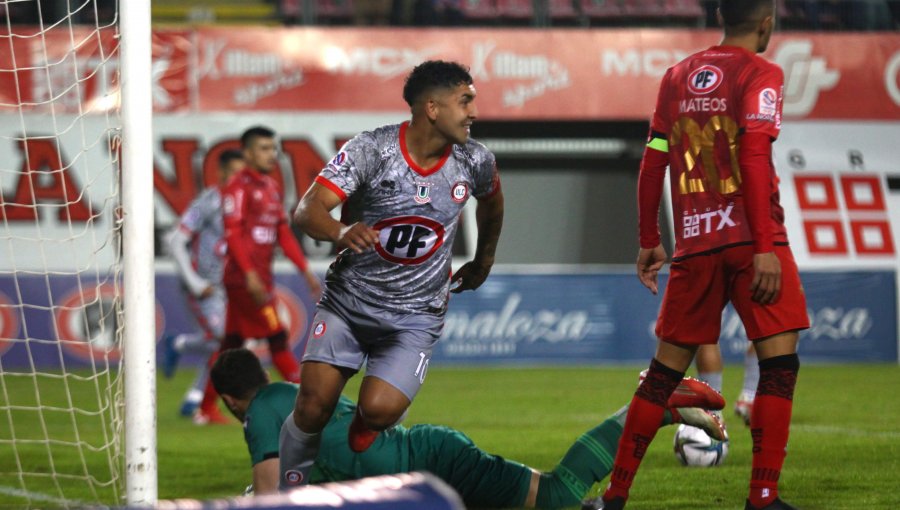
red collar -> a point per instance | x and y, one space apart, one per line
424 172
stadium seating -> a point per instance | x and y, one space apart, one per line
334 11
561 10
479 10
214 11
515 10
601 10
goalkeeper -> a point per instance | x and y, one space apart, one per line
482 479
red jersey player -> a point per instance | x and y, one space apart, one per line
717 113
254 221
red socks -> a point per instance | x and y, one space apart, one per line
360 436
644 418
283 358
770 424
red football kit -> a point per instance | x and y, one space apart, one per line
716 115
254 221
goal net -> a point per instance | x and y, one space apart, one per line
62 388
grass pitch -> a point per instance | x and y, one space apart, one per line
844 451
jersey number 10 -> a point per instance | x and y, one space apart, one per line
700 146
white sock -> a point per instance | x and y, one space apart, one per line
297 452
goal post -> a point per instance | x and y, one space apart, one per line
77 307
137 213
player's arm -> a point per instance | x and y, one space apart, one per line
489 220
179 241
651 182
233 211
313 216
265 477
755 160
292 251
652 255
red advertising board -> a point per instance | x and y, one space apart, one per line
519 73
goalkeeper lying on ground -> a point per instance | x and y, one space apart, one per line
482 479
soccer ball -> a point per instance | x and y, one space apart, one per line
694 448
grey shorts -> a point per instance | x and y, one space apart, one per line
396 347
210 312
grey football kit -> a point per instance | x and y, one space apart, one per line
386 306
203 266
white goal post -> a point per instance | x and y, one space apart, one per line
137 207
77 300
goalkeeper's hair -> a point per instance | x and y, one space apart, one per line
253 133
431 75
238 373
228 156
742 16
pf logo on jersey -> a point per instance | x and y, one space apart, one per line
408 239
704 79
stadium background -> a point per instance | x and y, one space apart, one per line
564 102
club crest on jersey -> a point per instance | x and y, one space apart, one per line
319 330
423 192
705 79
459 192
408 239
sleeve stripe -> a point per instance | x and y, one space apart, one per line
332 186
660 144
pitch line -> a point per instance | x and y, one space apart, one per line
37 496
843 431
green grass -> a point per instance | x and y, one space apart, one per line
844 451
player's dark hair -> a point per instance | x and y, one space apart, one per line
254 133
434 74
238 373
742 16
228 156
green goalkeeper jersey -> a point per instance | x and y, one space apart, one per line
481 479
335 462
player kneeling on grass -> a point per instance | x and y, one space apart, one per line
482 479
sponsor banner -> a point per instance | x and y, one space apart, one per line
610 318
519 73
513 318
840 191
86 320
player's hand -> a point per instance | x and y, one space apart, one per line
649 262
357 237
469 277
312 281
766 283
257 288
207 292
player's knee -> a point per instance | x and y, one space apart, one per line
312 412
380 415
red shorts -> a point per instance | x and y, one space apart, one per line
699 287
245 318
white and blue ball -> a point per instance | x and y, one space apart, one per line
693 447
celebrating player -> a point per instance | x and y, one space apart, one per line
482 479
403 188
254 221
717 113
198 247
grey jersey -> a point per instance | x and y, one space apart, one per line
203 222
416 211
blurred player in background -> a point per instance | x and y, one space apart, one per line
710 368
403 188
482 479
254 220
716 116
198 246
